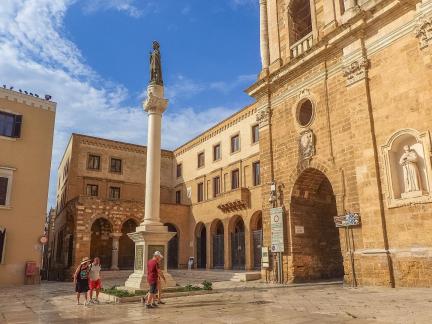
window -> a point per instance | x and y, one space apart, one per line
116 165
216 186
10 125
200 192
256 173
255 134
305 113
178 197
114 193
179 170
92 190
201 160
235 179
235 143
93 162
216 152
301 20
3 190
2 244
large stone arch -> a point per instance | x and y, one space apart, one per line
101 241
316 249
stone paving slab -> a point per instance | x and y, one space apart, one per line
55 303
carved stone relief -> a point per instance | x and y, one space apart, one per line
263 117
306 145
356 70
423 32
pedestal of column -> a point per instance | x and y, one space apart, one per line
115 250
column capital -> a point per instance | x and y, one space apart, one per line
116 235
155 102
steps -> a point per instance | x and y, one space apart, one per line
246 276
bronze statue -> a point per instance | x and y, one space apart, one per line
155 65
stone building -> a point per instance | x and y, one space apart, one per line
26 137
340 125
343 102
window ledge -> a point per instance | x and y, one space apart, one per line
6 207
7 138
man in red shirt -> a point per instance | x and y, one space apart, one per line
152 278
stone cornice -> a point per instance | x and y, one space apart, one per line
27 100
217 129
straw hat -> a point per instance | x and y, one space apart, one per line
85 260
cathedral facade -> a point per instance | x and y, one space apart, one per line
336 145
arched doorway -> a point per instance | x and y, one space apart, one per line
238 244
201 246
218 244
318 251
257 238
127 246
101 241
173 247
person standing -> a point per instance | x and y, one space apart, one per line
152 278
95 280
81 280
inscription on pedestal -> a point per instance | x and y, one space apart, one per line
152 249
139 253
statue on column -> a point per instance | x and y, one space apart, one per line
411 174
155 65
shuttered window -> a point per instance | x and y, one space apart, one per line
3 190
10 125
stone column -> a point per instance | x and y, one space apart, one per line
115 251
264 37
155 105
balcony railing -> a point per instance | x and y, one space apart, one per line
302 46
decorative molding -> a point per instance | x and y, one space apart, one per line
423 32
263 117
27 100
356 70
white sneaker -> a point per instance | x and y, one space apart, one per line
87 303
95 301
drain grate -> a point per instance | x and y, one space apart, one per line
260 302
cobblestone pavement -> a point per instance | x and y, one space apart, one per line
252 303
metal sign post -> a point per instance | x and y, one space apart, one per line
348 221
277 237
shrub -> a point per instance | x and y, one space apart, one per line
207 285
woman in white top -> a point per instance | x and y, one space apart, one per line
95 279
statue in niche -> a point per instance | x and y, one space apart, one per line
411 174
156 65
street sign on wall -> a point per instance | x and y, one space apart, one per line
277 229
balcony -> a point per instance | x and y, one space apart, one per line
233 200
302 46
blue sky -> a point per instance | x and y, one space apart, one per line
92 57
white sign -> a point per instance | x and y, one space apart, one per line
299 229
277 229
265 260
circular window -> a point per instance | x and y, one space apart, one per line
305 113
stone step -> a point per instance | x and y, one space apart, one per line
246 276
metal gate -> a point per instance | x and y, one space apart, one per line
238 250
173 253
257 244
201 252
218 251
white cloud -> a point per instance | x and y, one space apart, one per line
127 6
36 56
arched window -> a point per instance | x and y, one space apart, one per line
301 20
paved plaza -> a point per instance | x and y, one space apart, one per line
253 302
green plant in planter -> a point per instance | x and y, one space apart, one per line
189 287
207 285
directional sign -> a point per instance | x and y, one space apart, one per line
277 229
